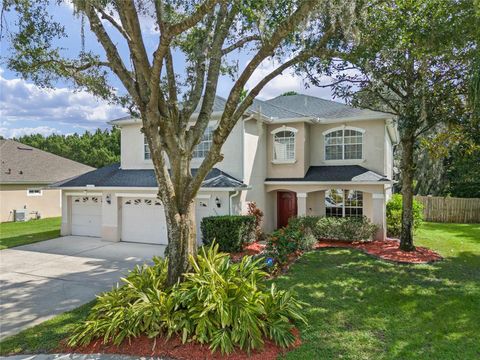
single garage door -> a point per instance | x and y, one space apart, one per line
87 215
143 221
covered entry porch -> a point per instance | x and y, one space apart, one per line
339 200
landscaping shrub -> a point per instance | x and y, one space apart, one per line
220 303
230 232
282 243
345 229
394 215
253 210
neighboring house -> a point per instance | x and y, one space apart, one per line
25 174
292 155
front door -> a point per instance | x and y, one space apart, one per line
286 207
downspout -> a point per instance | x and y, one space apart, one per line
230 201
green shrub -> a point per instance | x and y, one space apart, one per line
394 215
283 242
230 232
223 304
345 228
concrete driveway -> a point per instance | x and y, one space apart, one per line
41 280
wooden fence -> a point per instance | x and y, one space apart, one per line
450 209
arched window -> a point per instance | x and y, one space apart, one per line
344 144
284 144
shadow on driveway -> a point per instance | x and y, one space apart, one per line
41 280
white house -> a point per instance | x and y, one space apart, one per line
292 155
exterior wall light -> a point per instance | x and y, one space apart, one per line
108 199
218 202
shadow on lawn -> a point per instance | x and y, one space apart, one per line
366 308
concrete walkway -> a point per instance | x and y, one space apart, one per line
39 281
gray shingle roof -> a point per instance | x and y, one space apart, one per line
298 106
319 108
22 164
114 176
354 173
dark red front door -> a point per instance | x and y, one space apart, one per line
286 207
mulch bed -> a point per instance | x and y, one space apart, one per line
173 348
251 249
386 250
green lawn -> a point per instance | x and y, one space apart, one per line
363 308
21 233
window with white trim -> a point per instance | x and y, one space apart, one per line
284 144
343 203
146 149
344 144
34 192
202 149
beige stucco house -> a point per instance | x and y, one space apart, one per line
25 174
292 155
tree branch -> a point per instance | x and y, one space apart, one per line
114 60
240 43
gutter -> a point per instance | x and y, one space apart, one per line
230 203
127 188
329 182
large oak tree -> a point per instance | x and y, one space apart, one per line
416 60
165 84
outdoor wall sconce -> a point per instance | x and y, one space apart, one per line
108 199
218 202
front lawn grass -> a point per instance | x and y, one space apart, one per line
22 233
361 307
45 337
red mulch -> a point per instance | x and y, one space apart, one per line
173 348
254 248
386 250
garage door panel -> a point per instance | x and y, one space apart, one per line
143 221
87 216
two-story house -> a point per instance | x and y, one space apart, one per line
292 155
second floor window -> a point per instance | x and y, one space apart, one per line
146 149
205 144
344 144
284 144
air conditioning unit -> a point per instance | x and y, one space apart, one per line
19 215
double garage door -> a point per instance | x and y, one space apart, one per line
142 219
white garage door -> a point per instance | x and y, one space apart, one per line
87 215
143 221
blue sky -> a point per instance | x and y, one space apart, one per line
26 108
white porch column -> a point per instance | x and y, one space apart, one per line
301 204
379 215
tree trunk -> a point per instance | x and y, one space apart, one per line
408 171
182 241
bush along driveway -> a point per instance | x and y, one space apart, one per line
363 308
21 233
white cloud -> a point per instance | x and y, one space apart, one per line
22 102
17 132
287 81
